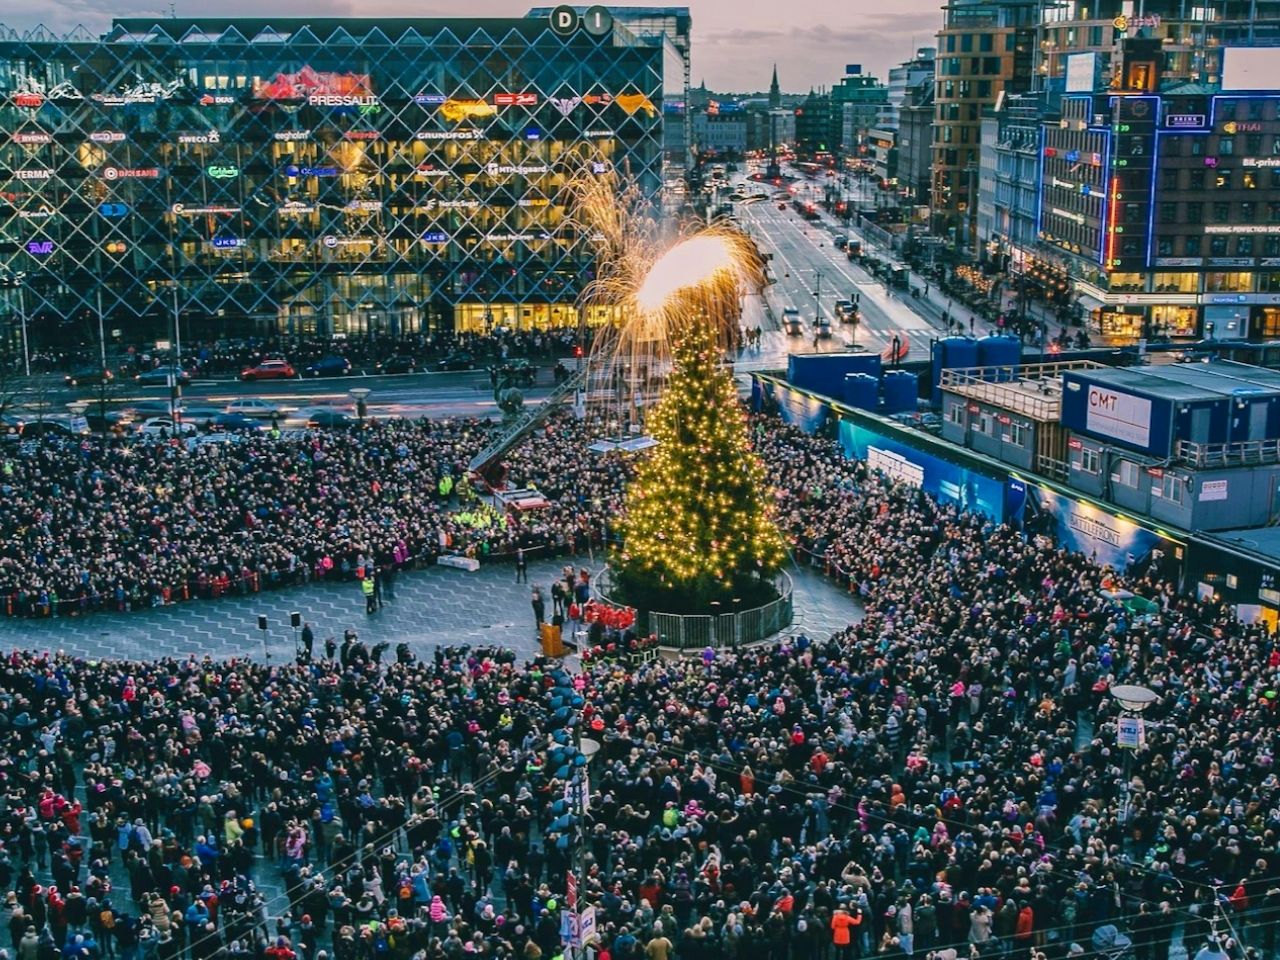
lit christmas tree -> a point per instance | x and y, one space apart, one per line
698 526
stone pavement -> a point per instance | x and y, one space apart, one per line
433 607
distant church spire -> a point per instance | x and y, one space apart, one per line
775 95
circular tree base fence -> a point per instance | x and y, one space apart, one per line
725 629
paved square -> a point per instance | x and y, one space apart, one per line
435 606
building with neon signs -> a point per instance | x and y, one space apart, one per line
320 176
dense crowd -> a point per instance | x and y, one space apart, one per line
940 780
131 524
228 357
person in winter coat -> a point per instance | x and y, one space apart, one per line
29 945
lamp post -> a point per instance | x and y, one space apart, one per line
1133 700
361 396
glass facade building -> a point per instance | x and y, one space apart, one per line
335 176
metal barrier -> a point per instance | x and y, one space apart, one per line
676 631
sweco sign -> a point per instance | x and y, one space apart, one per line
597 20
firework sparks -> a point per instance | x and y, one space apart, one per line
654 284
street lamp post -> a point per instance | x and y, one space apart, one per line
1133 700
361 396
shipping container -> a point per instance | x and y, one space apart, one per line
949 353
901 391
824 373
862 391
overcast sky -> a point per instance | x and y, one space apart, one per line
734 41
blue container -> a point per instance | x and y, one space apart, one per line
1003 351
949 353
862 390
901 390
824 373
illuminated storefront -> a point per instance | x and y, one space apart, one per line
358 177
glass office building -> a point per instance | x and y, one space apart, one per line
330 177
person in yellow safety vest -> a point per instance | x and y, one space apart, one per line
446 486
370 601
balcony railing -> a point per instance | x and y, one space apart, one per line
1031 389
1205 456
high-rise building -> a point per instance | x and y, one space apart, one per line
985 47
813 126
352 176
1165 203
902 78
858 103
1007 191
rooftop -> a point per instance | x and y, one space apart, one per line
1031 389
1192 381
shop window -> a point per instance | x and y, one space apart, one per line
1177 282
1229 282
1174 321
1270 325
1269 282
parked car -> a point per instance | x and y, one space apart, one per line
791 325
163 426
253 407
269 370
234 421
159 377
90 377
330 420
399 365
51 427
457 360
330 366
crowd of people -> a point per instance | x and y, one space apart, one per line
127 525
939 780
222 358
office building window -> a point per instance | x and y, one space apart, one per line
1244 246
1271 246
1217 246
1172 147
1168 212
1164 247
1248 211
1133 213
1226 146
1191 246
1229 282
1221 212
1253 145
1249 180
1196 180
1257 109
1095 36
1195 212
1222 180
991 66
1197 147
987 42
1168 179
1269 282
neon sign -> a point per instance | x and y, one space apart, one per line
493 169
566 105
430 170
515 99
228 243
598 133
363 206
32 101
296 208
182 210
361 135
33 137
1272 162
223 172
127 173
106 136
34 174
429 99
292 171
41 213
40 248
1111 222
598 99
289 136
142 93
447 135
211 136
211 100
318 88
435 236
1184 120
113 209
459 110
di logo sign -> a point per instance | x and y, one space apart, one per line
597 20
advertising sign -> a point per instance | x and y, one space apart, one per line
456 111
1248 68
515 99
1107 539
1082 72
1129 732
320 88
1111 413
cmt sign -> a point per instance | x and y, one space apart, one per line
597 20
1119 415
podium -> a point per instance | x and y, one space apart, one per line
552 645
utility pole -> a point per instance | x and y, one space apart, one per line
817 299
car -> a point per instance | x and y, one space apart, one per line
782 206
115 420
840 241
233 422
163 426
269 370
330 420
518 372
791 325
399 365
200 416
822 327
10 428
457 360
88 377
159 377
35 429
253 407
330 366
845 311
